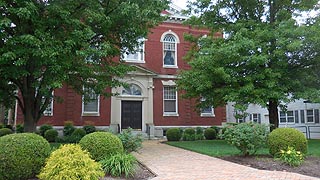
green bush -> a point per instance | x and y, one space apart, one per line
1 126
216 128
19 128
77 135
22 155
189 134
5 131
119 164
51 135
101 145
247 137
199 133
89 129
70 162
282 138
173 134
210 134
68 129
130 142
43 128
291 157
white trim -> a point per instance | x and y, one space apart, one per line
176 103
306 116
168 83
49 113
177 40
141 55
90 113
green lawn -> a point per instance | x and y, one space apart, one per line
222 148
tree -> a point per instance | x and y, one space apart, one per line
45 44
265 57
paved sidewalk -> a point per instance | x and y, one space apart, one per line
171 163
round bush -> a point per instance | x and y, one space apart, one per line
51 135
189 134
68 129
71 162
5 131
282 138
89 129
210 134
173 134
101 145
79 133
22 155
43 128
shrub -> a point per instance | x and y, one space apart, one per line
77 135
89 129
210 134
5 131
43 128
119 164
130 142
51 135
173 134
199 133
19 128
101 145
1 126
291 157
22 155
247 137
189 134
68 129
70 162
216 128
282 138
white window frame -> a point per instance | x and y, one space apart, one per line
91 113
139 51
176 41
207 114
307 116
286 117
176 102
49 110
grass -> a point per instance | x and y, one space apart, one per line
218 148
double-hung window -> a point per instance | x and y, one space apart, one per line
136 56
170 104
206 111
90 102
170 50
255 117
310 115
287 117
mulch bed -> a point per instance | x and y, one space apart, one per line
310 167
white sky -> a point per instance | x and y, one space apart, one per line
180 3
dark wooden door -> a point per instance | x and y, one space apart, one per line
131 114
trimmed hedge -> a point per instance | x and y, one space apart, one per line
51 135
173 134
189 134
282 138
5 131
71 162
22 155
210 134
43 128
101 145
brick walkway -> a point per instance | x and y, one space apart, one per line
170 163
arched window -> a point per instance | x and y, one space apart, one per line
169 50
132 90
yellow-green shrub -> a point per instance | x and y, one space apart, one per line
101 145
22 155
282 138
71 162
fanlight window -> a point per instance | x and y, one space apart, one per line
132 90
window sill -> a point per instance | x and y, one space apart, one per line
134 61
172 67
207 115
170 114
90 114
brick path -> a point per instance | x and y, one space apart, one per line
171 163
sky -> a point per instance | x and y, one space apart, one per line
180 3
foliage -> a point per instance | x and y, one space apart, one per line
130 141
247 137
101 145
264 56
189 134
76 135
22 155
199 133
19 128
71 162
210 134
173 134
291 157
5 131
43 128
68 128
51 135
282 138
89 129
46 43
119 164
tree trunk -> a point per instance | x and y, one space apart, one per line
30 123
273 114
2 113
